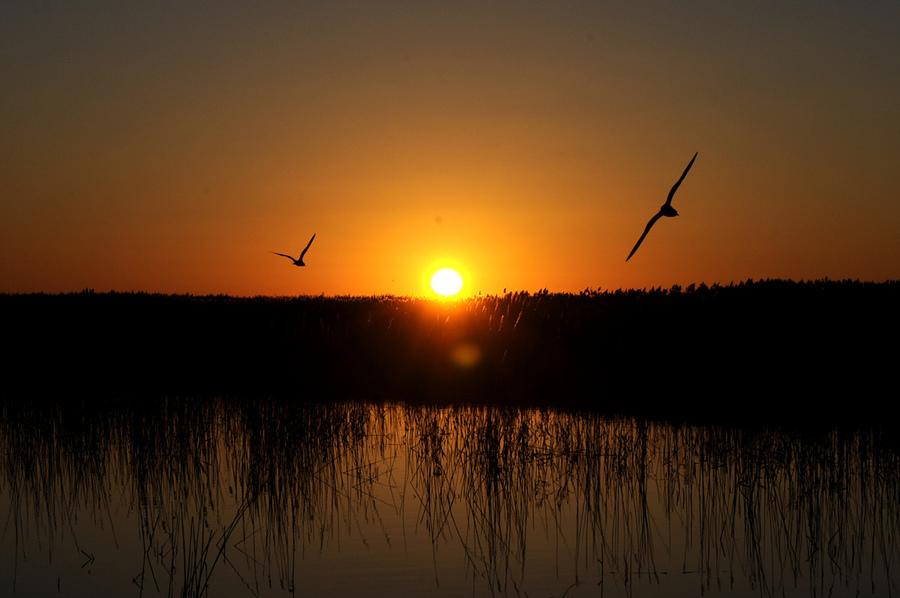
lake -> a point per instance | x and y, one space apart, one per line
239 497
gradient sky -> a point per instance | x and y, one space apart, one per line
168 148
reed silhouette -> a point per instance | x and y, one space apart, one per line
232 496
770 346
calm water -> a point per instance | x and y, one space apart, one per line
247 499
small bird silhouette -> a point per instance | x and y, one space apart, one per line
299 260
666 209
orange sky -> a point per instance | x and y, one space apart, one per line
170 149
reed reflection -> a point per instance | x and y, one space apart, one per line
237 497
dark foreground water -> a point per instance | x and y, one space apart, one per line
244 498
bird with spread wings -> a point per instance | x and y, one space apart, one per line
299 260
666 209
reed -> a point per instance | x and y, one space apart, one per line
249 490
622 352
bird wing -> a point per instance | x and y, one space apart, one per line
290 257
677 183
650 224
305 249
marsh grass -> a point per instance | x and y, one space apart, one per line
754 350
249 490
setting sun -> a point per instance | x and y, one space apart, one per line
446 282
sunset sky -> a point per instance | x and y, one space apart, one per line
154 147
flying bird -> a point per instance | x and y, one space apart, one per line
299 260
666 209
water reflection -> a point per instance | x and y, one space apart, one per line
241 498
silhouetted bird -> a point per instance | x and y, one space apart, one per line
665 210
299 260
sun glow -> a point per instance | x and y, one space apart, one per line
446 282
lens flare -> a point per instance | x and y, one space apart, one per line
465 355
